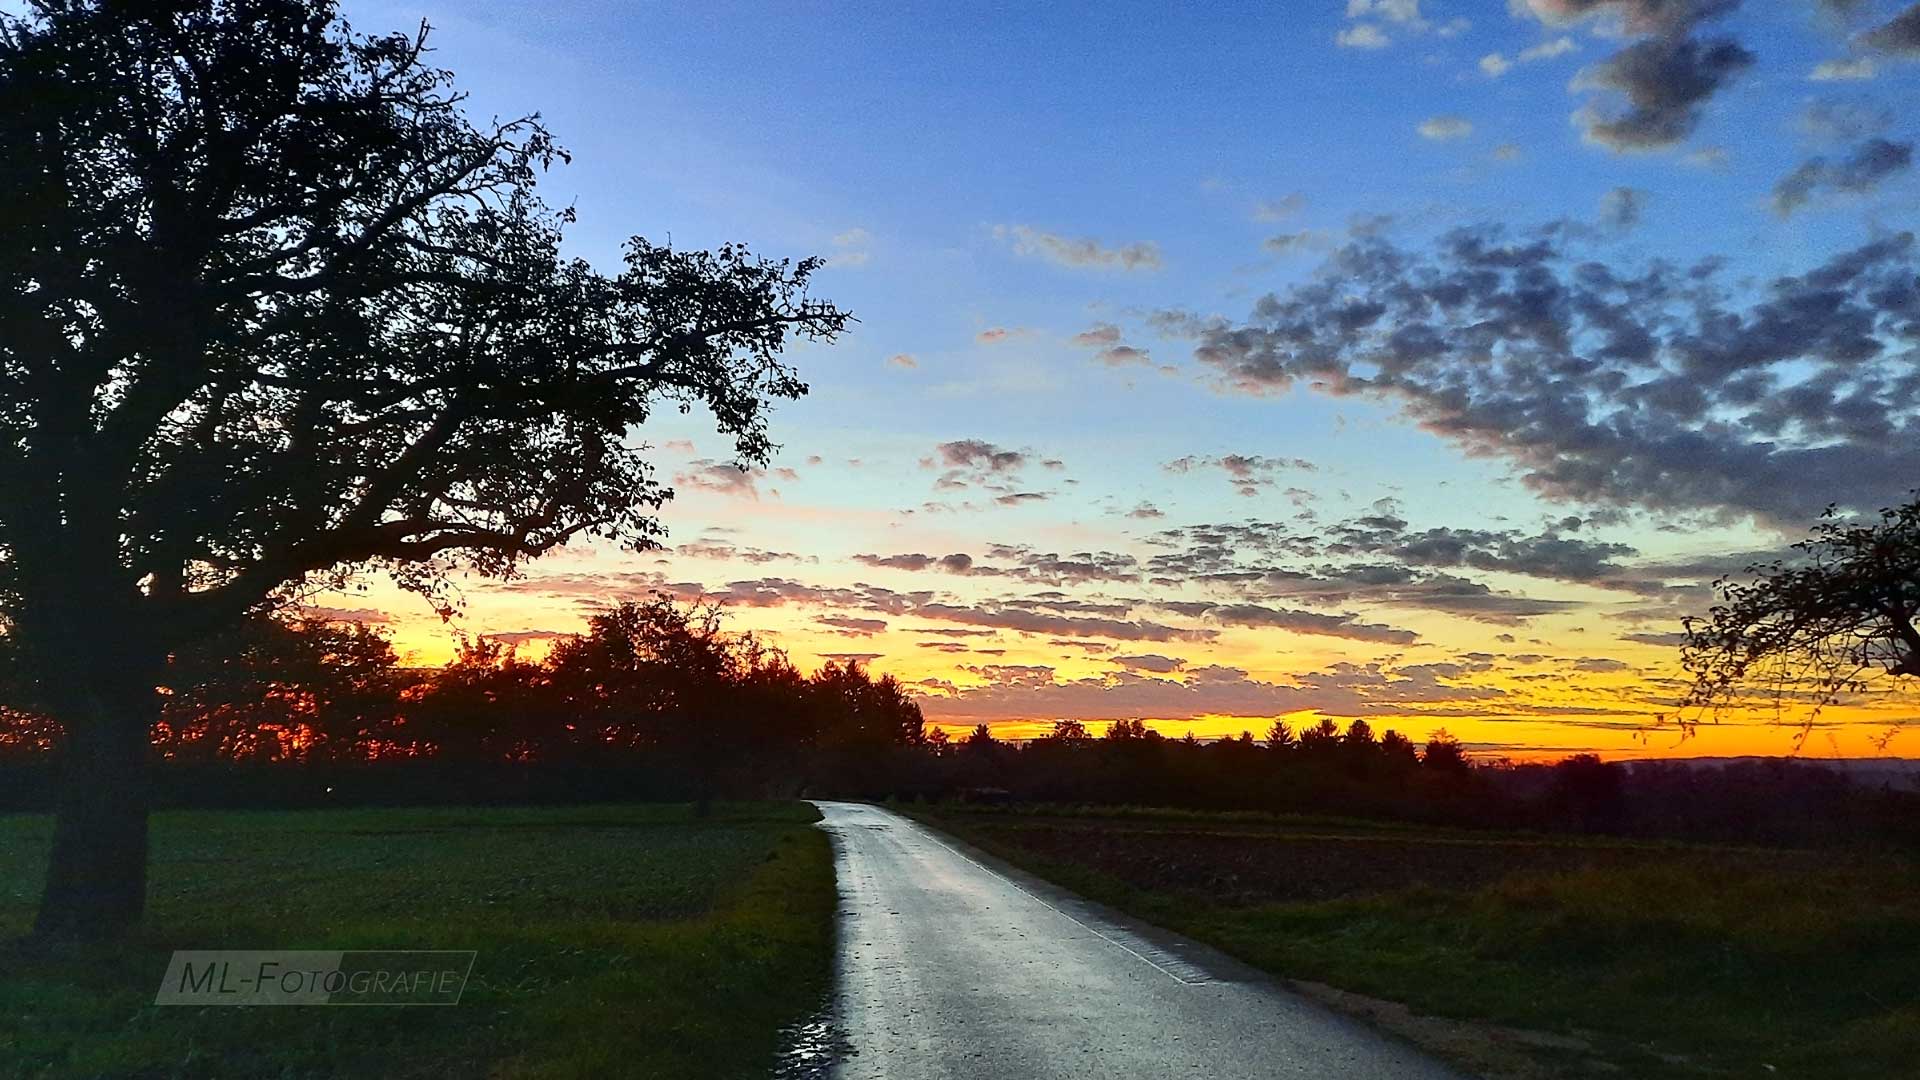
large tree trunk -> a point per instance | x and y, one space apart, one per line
97 875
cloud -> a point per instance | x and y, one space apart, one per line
1507 152
1146 512
1547 50
1279 209
1844 119
721 478
1443 128
1213 690
1123 356
853 627
1900 36
1021 562
1666 82
1548 555
525 637
852 246
1097 335
1247 472
1657 386
979 454
1404 15
362 615
903 360
1667 76
993 335
1079 252
1870 163
726 550
1039 622
1707 157
1290 243
1112 351
1159 665
1636 17
1622 207
1496 65
953 564
1311 623
1362 36
1856 70
1406 12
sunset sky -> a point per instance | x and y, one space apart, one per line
1400 359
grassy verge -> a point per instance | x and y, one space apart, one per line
612 940
1644 960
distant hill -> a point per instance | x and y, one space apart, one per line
1895 772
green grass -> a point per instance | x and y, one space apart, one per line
1682 961
611 940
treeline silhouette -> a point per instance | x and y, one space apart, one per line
1356 772
658 700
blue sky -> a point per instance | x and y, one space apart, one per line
1005 194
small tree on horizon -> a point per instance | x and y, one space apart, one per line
273 310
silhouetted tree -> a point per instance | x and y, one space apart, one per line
1321 738
489 704
269 690
1444 754
1590 793
1281 739
272 308
1821 626
1398 750
1068 733
864 712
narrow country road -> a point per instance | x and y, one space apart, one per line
949 968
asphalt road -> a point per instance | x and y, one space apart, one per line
951 968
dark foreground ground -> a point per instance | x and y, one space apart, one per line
612 941
1563 957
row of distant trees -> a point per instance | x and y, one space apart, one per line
658 699
653 684
1325 769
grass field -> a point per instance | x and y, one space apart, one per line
1615 958
612 940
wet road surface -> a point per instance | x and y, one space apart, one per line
951 968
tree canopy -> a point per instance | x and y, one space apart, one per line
274 309
271 304
1819 626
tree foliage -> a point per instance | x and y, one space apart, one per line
274 309
272 305
1818 627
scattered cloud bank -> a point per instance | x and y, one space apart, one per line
1859 172
1249 473
1658 386
1666 76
